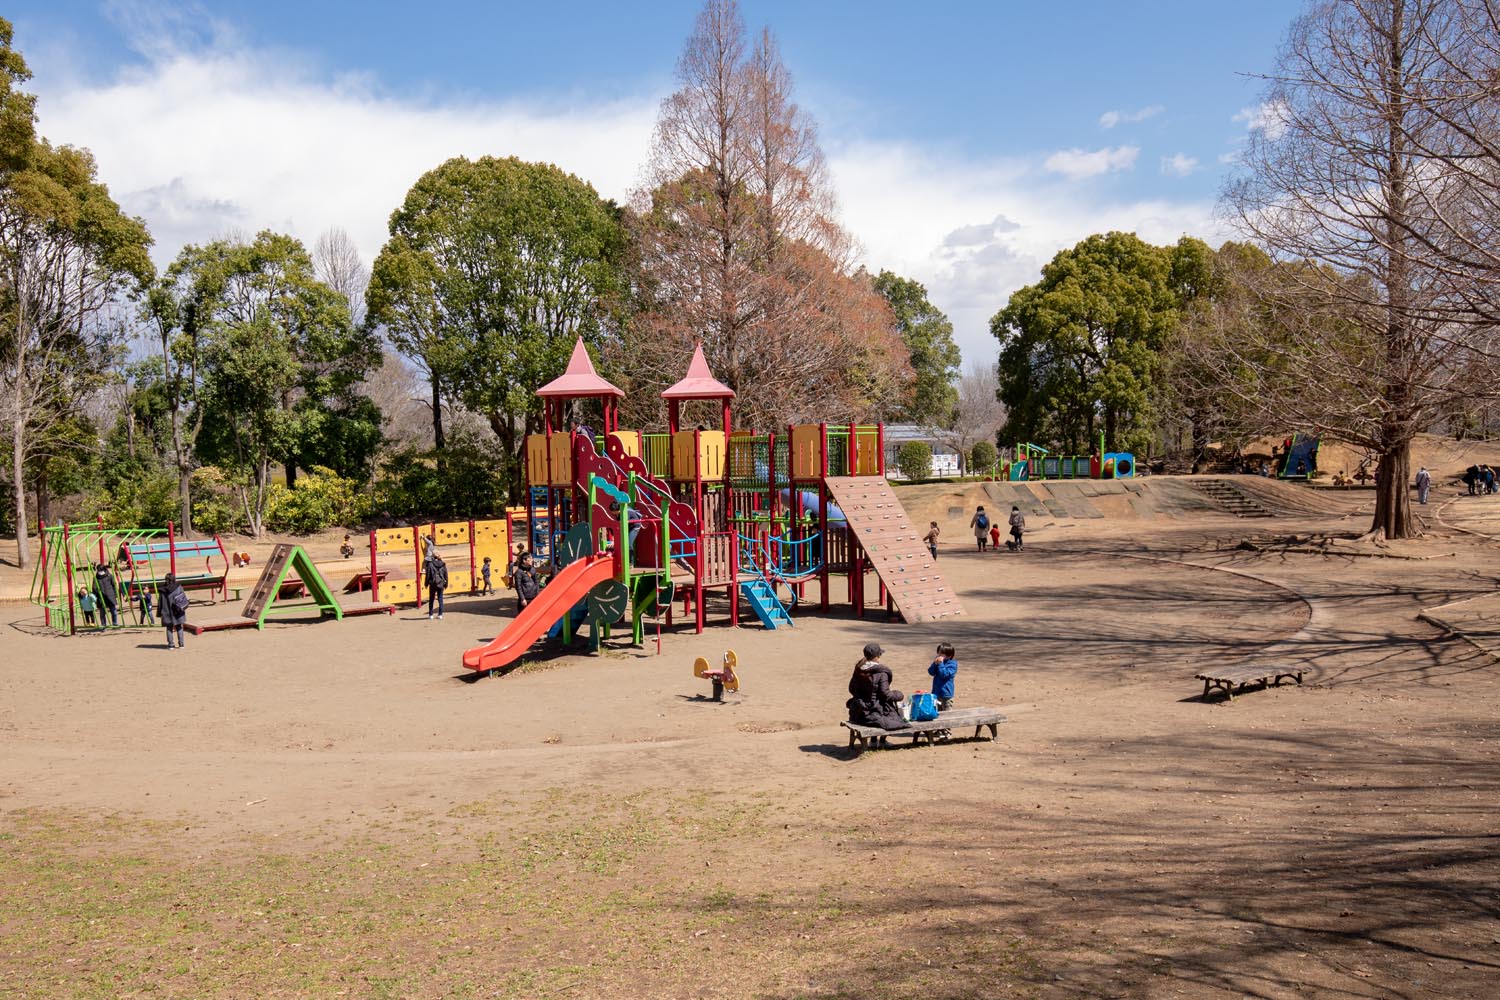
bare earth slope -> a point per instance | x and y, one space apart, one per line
329 810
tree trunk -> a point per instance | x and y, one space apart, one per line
43 499
439 442
1392 495
18 479
291 473
185 494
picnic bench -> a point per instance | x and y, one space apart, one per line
1226 679
939 728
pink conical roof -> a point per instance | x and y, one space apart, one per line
699 382
580 379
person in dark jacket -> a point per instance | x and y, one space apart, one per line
171 604
436 572
873 701
108 594
524 577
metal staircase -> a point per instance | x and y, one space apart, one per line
764 602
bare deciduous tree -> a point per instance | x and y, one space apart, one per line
979 414
337 264
737 247
1375 331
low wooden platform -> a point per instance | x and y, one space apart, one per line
939 728
1226 679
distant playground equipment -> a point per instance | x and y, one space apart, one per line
1031 461
1299 456
625 521
397 555
136 559
290 585
724 677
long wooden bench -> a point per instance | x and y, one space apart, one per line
1226 679
979 718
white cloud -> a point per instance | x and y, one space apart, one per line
1179 164
203 143
1269 117
1079 164
1112 118
230 139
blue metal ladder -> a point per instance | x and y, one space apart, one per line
763 600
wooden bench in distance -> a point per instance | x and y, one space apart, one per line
1226 679
979 718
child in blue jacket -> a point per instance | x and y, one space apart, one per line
944 669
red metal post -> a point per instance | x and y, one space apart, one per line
374 572
41 527
68 564
171 549
101 539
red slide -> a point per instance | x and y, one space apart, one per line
571 585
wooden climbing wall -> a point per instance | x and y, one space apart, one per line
894 547
265 587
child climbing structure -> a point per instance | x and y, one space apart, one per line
623 520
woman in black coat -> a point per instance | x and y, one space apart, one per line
873 701
172 616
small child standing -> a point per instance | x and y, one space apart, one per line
944 669
484 572
86 603
147 618
995 536
931 538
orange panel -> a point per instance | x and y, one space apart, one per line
562 458
536 459
711 455
806 452
630 441
684 466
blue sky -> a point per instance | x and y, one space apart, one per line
968 142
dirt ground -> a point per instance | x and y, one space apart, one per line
333 810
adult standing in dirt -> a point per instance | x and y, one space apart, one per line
872 701
172 603
1424 484
436 572
108 595
980 522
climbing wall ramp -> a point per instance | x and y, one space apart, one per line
894 547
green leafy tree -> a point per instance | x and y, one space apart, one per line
219 294
928 336
67 253
1079 349
250 368
914 461
493 268
983 456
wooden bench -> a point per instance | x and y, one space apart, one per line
979 718
1226 679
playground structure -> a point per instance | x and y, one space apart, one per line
136 558
723 678
1032 461
1299 459
290 585
624 520
462 544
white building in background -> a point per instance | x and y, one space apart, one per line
945 462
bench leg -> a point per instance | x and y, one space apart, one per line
994 731
1206 686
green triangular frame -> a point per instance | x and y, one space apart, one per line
317 588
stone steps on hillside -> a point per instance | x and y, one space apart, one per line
1231 498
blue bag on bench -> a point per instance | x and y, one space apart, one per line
923 707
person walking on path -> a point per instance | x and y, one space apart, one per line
980 522
1017 526
1424 484
172 602
108 595
931 538
436 572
